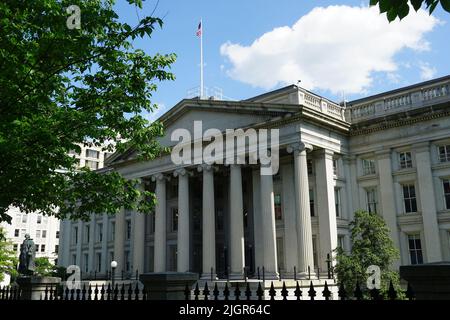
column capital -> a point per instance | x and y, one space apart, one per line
182 172
298 147
206 167
158 177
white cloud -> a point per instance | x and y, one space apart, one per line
152 116
334 48
427 72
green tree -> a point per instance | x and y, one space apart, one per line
8 258
371 245
400 8
44 267
61 86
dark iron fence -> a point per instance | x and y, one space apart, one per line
133 292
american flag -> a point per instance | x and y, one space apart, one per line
199 29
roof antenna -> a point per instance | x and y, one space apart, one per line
298 82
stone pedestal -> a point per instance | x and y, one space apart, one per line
167 285
33 287
429 281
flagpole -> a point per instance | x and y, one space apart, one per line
201 59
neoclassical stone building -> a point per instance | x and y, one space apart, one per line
388 153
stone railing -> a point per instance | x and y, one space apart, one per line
320 104
409 99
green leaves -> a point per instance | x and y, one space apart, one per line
445 4
400 8
61 87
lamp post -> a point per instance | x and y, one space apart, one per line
113 269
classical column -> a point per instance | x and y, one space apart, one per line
290 219
387 195
119 241
160 224
257 221
302 211
428 203
209 224
139 237
64 251
183 220
268 224
237 254
105 259
326 209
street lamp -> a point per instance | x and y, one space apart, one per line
113 269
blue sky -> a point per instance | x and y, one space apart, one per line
332 46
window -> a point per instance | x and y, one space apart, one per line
444 153
38 234
24 218
99 232
368 166
311 202
405 160
86 262
87 233
75 235
99 261
335 167
36 248
277 201
337 201
44 233
113 231
415 249
409 198
15 246
91 164
92 153
42 247
174 219
310 166
56 248
39 219
57 234
127 261
74 259
16 233
128 234
371 200
446 185
341 242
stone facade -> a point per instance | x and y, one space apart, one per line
388 153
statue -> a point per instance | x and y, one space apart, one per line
27 255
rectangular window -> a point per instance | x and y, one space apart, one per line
127 261
128 234
368 166
311 202
174 219
39 219
337 201
99 261
415 249
277 201
99 232
56 248
341 242
91 164
75 235
113 231
42 247
57 234
16 232
405 160
409 198
372 201
446 185
15 246
74 259
87 232
86 262
309 164
38 234
444 153
36 248
44 233
92 153
24 218
335 167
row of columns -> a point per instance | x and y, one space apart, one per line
299 222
